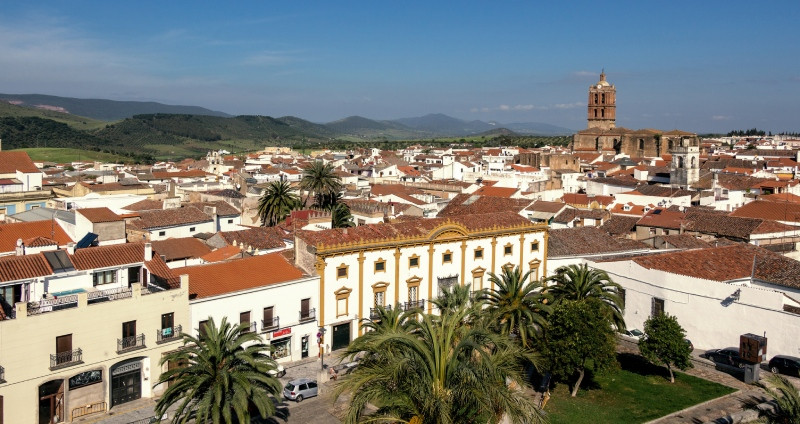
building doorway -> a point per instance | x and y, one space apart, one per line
126 383
304 347
341 336
51 402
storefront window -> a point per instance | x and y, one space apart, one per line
282 348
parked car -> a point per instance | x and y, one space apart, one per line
783 364
689 342
300 389
278 372
728 356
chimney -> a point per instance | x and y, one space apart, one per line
20 249
71 248
148 252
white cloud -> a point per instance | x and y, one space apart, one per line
720 118
527 107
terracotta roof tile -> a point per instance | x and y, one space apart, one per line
98 215
240 274
728 263
620 225
222 254
170 217
685 241
10 233
108 256
411 228
662 218
162 273
468 204
257 237
11 162
223 208
776 211
145 205
13 268
587 241
180 248
39 241
496 191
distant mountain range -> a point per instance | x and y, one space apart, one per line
154 130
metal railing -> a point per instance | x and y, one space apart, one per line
420 304
271 325
130 343
2 375
374 313
309 315
65 359
55 304
167 334
152 288
251 328
88 409
151 420
110 294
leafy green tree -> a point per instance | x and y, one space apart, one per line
578 335
277 202
664 343
221 377
437 371
579 282
516 306
341 217
319 178
452 299
787 401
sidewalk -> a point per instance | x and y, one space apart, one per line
142 409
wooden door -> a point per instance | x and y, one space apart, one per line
63 349
128 329
59 404
305 308
268 317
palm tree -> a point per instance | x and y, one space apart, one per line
453 299
277 202
320 179
579 282
221 376
341 217
787 401
517 306
437 371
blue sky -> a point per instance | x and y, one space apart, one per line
694 65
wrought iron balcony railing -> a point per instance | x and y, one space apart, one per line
66 359
126 344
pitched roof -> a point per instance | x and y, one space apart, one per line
240 274
223 208
170 217
10 233
662 218
727 263
180 248
620 225
587 241
108 256
496 191
256 237
13 268
145 205
776 211
99 215
13 161
411 228
571 214
467 204
684 241
222 254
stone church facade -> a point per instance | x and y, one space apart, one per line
602 134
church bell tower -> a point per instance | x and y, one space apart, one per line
602 104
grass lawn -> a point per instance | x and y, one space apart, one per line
637 393
65 155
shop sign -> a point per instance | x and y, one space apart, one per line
285 331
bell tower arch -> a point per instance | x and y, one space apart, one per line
602 104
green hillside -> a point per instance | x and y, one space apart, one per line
64 155
74 121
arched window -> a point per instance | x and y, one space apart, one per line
694 163
595 113
680 161
603 98
603 113
595 97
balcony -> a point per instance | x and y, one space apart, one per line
414 304
66 359
108 295
168 334
374 314
54 304
250 328
309 315
127 344
271 325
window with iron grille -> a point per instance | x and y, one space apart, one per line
379 298
658 307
